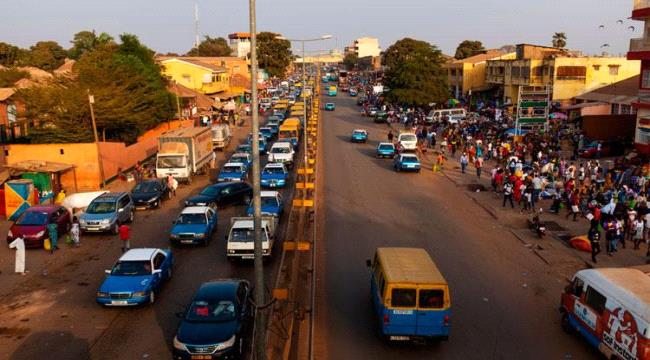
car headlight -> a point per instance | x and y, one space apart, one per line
140 294
200 236
105 221
231 251
40 233
82 221
152 200
201 204
101 294
173 236
226 344
179 345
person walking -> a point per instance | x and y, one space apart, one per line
125 236
75 232
507 194
594 240
172 184
610 236
463 162
19 245
479 166
637 230
52 230
390 136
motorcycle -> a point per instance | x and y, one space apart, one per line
537 226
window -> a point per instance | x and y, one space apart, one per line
538 70
595 300
452 72
516 71
577 287
571 72
124 202
403 298
626 109
615 109
596 67
645 79
613 69
432 299
158 261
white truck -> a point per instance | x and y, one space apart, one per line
221 136
240 238
184 152
282 152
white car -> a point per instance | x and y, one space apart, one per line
282 152
407 141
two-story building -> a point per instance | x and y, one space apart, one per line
466 76
640 50
568 73
240 43
205 77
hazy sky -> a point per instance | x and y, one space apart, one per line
168 25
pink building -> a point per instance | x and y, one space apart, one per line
640 50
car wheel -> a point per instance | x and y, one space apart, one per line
157 204
169 273
566 325
240 348
131 216
115 229
152 297
246 199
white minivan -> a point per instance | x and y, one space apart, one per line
407 141
453 115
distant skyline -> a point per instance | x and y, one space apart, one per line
168 26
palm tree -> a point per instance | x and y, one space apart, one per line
559 40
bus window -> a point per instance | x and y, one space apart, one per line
595 300
432 299
404 298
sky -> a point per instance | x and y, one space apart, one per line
168 25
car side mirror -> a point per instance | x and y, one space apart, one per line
120 210
157 271
368 263
107 272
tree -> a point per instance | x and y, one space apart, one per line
45 55
211 47
468 48
9 77
508 48
559 40
415 75
351 60
85 41
273 54
129 90
10 54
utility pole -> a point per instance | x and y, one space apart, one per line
91 101
197 41
260 317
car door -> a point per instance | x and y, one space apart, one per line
225 195
211 217
158 264
122 211
242 300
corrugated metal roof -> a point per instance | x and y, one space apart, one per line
6 93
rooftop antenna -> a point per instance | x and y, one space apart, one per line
196 26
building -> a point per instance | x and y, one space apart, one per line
569 73
614 99
240 43
234 65
640 50
197 75
468 75
365 46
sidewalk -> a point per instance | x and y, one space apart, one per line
553 249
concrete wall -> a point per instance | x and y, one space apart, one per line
597 74
191 76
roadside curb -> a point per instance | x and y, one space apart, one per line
526 243
488 209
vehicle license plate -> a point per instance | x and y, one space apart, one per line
248 257
92 229
201 357
403 312
141 208
400 338
187 241
119 302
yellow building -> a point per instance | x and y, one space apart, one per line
569 73
197 75
468 74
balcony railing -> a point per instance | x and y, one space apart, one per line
641 4
640 44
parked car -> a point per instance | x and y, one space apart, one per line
222 194
32 224
371 111
330 107
386 149
216 323
359 135
77 203
353 92
272 204
233 172
148 194
274 175
380 117
107 212
136 277
244 148
194 225
243 158
608 148
267 133
407 162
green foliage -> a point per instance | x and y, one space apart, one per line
45 55
559 40
415 75
10 55
350 60
211 47
468 48
9 77
273 54
129 92
85 41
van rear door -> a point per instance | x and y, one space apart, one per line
432 312
402 317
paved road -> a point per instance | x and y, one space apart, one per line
504 298
54 316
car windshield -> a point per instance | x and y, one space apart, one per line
242 235
101 207
386 147
131 268
191 219
239 159
359 133
410 159
272 201
265 130
167 162
209 191
32 218
407 138
280 150
204 310
231 169
243 148
273 170
145 187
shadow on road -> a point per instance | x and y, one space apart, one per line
52 345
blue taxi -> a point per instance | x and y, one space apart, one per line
274 175
386 150
359 135
407 162
233 172
272 204
330 107
194 225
